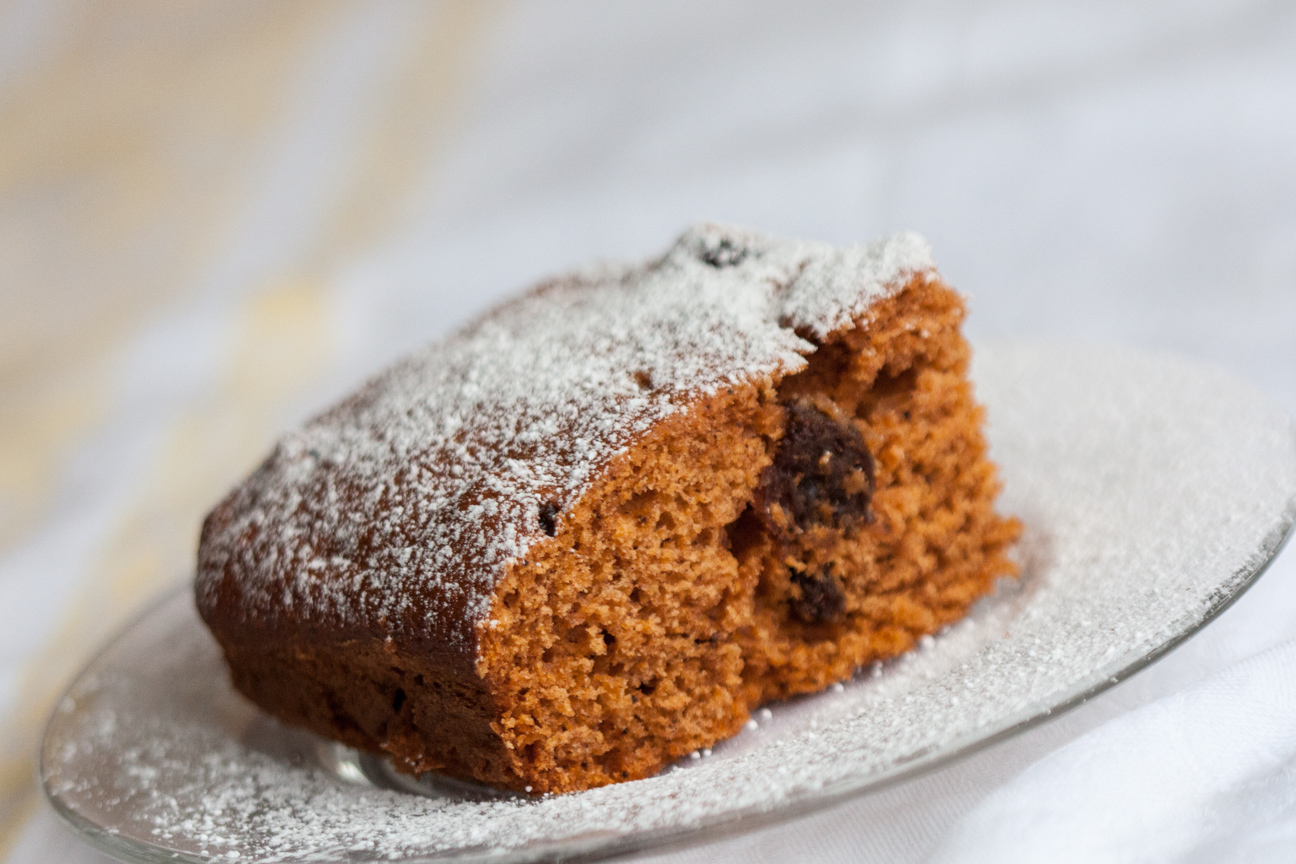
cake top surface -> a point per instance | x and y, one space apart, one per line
403 505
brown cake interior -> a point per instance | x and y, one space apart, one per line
767 542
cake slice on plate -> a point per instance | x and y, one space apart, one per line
593 530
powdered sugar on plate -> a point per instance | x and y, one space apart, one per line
1153 492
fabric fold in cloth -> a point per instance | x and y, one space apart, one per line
1208 774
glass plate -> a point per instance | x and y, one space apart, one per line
1153 493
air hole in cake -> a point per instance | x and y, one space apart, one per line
889 383
644 379
891 391
398 700
549 518
744 533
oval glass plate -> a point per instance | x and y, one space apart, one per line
1153 493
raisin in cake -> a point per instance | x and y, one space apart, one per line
593 530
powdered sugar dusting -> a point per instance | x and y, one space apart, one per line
1152 492
405 503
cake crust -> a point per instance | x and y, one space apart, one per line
592 531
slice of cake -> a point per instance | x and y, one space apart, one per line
593 530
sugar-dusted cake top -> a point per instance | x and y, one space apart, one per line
399 509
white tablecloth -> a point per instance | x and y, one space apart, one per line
215 218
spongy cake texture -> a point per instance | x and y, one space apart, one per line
592 531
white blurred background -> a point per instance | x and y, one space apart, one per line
216 216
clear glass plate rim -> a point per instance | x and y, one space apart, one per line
673 838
